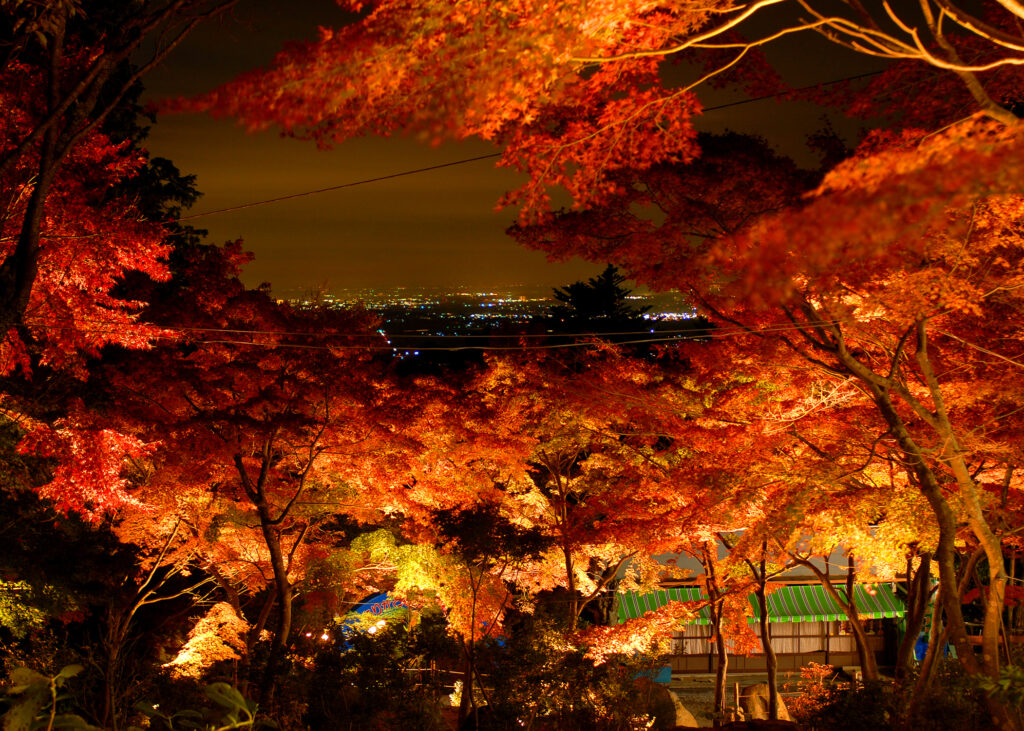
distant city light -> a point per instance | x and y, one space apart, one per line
421 316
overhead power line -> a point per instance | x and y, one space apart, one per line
330 188
854 77
54 323
584 339
464 161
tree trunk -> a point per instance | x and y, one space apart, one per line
1013 614
282 587
19 270
117 631
994 594
284 592
867 656
467 704
935 418
945 555
573 605
869 667
918 593
881 389
771 661
937 638
952 456
715 612
467 685
721 669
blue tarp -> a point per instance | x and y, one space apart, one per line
371 611
382 604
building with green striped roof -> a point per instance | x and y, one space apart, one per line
806 625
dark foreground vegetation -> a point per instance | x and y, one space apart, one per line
403 678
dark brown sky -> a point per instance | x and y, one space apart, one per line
434 228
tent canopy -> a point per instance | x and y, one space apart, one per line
794 603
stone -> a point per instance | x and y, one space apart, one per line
657 701
754 702
684 719
664 705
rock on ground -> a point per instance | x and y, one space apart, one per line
684 719
754 702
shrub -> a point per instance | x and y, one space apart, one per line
374 682
1009 688
36 701
952 703
231 710
535 674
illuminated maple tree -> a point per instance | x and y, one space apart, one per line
86 242
574 94
615 473
263 416
66 67
896 251
402 68
219 636
866 296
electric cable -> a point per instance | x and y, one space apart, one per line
488 156
585 340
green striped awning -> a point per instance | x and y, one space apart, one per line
631 604
793 603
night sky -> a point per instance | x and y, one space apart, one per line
429 229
